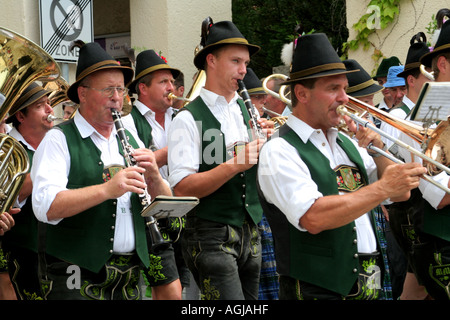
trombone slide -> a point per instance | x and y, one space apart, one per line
343 110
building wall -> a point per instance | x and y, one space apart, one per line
174 27
170 26
415 15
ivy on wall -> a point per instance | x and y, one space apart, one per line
379 14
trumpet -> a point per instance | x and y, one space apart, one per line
171 96
271 92
429 139
52 118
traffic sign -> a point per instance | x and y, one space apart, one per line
63 21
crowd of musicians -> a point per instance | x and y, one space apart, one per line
301 211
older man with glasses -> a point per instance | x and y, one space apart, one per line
92 238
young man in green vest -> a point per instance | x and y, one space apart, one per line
430 249
315 186
28 116
212 156
150 119
93 240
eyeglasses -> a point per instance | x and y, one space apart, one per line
108 92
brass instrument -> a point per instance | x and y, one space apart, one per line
283 95
199 82
14 165
428 75
271 92
157 240
52 118
432 141
277 118
21 63
59 88
171 96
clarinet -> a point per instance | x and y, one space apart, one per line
156 239
251 111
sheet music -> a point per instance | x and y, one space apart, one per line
167 206
433 103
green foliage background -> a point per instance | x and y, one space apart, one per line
271 23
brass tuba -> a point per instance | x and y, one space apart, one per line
59 88
21 63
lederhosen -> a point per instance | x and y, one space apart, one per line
84 243
330 259
20 246
234 205
426 234
168 265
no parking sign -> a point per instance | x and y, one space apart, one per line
63 21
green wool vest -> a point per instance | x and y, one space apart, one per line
238 197
326 259
24 234
86 239
143 128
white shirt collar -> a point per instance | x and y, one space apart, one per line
408 102
211 98
143 109
18 136
305 131
86 129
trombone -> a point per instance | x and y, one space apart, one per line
428 138
278 119
279 95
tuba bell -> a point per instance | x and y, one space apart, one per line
59 88
21 63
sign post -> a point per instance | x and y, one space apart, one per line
63 21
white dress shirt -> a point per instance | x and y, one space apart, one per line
159 134
185 145
286 180
50 170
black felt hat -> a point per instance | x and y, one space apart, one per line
360 83
315 57
442 45
92 57
146 62
222 33
385 64
418 48
252 83
30 95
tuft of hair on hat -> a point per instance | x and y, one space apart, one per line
76 44
287 52
419 37
441 17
